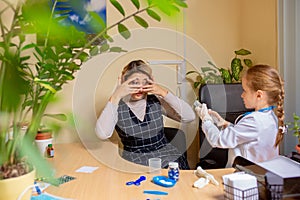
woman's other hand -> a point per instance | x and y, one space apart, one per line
124 89
155 88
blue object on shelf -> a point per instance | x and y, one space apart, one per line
163 181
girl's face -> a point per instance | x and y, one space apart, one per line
140 80
249 96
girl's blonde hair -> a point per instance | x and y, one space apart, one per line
267 79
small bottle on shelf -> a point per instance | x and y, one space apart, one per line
50 151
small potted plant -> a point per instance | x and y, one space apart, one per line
295 128
215 75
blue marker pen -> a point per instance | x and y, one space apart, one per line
37 188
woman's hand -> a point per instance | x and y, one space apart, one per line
124 89
154 88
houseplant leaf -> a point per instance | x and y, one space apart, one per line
123 30
153 14
248 62
226 75
242 52
180 3
118 6
236 68
136 3
141 21
61 117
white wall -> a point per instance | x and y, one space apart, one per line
289 51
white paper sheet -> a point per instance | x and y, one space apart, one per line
282 166
87 169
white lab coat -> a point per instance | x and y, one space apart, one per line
253 137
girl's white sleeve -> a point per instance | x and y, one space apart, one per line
245 131
106 122
177 109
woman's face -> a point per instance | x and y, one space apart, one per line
249 96
140 80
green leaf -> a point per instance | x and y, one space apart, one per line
61 17
226 75
83 56
166 6
296 117
141 21
117 49
153 14
45 84
174 9
196 84
28 46
180 3
66 56
150 2
242 52
191 72
212 64
136 3
94 51
104 48
123 30
248 62
98 22
37 49
61 117
206 69
236 68
63 12
107 37
118 6
24 58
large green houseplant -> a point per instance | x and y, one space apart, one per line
38 55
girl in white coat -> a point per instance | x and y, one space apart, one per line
257 134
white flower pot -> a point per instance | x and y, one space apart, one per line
42 145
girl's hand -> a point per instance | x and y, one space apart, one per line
124 89
155 88
217 119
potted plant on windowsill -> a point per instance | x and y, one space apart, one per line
295 128
38 55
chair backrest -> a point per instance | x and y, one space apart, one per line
223 98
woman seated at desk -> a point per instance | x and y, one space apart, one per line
138 116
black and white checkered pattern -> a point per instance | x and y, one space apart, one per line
145 139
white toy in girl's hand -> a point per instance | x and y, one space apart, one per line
197 104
